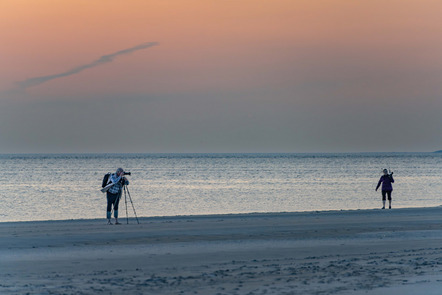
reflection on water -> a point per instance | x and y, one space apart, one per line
48 187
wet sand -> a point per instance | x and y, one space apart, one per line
335 252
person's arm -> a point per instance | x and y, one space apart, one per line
391 177
115 179
379 184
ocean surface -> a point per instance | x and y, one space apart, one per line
67 186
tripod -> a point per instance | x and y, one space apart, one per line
127 193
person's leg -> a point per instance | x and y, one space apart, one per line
109 208
111 198
389 199
384 197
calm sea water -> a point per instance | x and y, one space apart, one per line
58 187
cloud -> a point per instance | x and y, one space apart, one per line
31 82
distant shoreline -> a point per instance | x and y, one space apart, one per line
219 154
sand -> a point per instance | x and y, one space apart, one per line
336 252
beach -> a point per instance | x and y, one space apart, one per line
372 252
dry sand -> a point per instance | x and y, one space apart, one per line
339 252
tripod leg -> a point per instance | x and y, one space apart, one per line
133 207
125 201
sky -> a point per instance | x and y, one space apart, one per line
220 76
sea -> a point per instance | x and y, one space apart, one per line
67 186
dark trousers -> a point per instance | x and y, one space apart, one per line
112 199
384 195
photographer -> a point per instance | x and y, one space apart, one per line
387 187
114 193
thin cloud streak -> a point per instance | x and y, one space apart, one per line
31 82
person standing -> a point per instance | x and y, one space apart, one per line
387 187
114 193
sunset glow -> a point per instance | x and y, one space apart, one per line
225 76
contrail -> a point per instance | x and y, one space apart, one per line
102 60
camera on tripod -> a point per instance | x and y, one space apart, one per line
123 179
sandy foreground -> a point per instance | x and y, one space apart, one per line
372 252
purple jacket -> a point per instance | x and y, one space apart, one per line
386 181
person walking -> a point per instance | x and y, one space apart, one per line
387 187
114 193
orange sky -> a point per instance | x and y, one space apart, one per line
203 37
297 53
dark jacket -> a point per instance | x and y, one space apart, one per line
386 181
